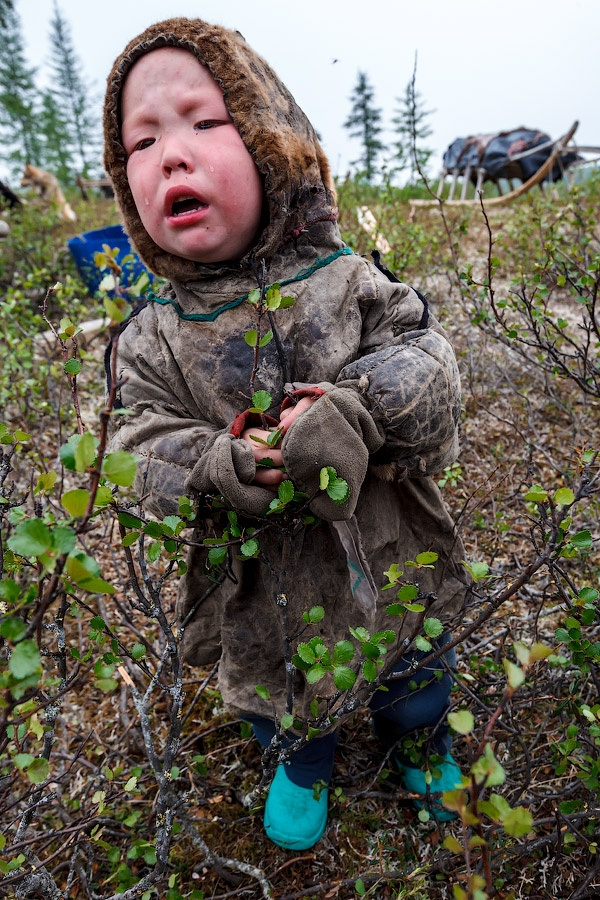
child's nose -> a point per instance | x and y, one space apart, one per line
176 155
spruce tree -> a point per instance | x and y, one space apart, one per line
411 127
71 95
19 124
5 5
363 123
58 152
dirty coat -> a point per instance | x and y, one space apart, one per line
387 418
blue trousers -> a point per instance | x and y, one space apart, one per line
411 712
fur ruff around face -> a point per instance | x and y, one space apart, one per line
295 171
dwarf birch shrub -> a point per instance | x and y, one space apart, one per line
87 585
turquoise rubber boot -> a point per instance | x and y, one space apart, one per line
293 818
449 780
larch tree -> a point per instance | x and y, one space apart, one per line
71 95
363 123
411 129
58 152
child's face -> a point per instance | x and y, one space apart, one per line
196 187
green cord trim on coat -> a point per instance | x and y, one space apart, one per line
319 263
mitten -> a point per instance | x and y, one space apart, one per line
335 431
228 468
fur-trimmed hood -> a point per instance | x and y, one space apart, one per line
297 181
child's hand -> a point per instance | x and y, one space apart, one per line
270 478
289 415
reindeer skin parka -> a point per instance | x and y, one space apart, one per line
386 417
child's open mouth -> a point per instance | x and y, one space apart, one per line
186 205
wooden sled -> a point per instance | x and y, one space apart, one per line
559 147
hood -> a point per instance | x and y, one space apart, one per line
297 181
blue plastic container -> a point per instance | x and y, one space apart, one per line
84 246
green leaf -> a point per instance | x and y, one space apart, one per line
518 822
536 494
450 843
343 652
433 627
129 521
285 491
13 629
422 644
31 538
120 468
45 482
370 650
407 593
262 400
369 671
361 634
217 556
462 721
427 558
153 551
487 770
85 452
395 609
274 438
76 502
338 490
287 721
85 572
251 337
138 651
153 530
172 524
38 771
25 660
514 674
22 760
314 615
250 548
393 574
415 607
343 678
315 673
67 452
582 540
306 653
73 367
266 339
254 297
286 302
106 685
273 297
323 478
63 539
564 497
262 692
477 570
9 590
113 310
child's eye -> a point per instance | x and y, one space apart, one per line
205 124
142 145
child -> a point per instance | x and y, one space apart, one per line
218 174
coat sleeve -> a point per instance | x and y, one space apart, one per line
407 376
179 449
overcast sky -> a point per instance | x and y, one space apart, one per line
481 66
